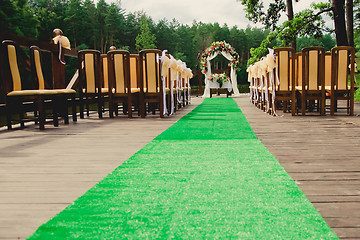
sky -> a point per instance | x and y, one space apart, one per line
207 11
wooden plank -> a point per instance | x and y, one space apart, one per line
42 172
321 153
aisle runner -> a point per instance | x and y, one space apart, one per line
207 176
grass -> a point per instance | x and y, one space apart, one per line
206 177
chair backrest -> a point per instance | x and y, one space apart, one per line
341 58
313 68
105 71
91 71
119 71
11 53
36 68
298 69
151 69
327 69
134 70
285 66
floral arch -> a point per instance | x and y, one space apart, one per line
210 53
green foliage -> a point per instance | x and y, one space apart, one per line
16 16
357 95
326 41
255 12
100 24
305 23
145 40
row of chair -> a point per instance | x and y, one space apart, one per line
303 81
144 82
140 82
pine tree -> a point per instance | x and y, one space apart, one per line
145 40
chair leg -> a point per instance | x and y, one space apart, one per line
332 104
65 109
87 107
73 107
116 109
81 105
8 107
56 108
41 113
351 107
303 105
100 108
111 106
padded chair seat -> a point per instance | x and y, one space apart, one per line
167 90
328 88
69 91
103 90
277 89
32 92
299 88
135 90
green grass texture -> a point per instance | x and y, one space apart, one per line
206 177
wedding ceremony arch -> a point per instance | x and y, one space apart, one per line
210 53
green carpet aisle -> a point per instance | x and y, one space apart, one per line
206 177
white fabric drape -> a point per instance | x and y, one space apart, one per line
172 78
233 75
208 74
165 62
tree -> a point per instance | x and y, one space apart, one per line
339 21
19 18
114 22
74 17
350 22
307 21
101 8
145 40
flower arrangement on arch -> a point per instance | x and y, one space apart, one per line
219 77
218 46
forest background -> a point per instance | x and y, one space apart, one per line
100 25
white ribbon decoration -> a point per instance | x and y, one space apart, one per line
248 70
271 62
172 105
164 64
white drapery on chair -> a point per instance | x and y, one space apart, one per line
208 73
165 64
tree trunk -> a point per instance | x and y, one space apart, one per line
350 22
290 14
339 21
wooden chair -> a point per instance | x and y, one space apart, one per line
61 96
313 82
119 82
90 81
342 64
151 91
284 89
20 101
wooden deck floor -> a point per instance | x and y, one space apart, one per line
43 171
322 154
